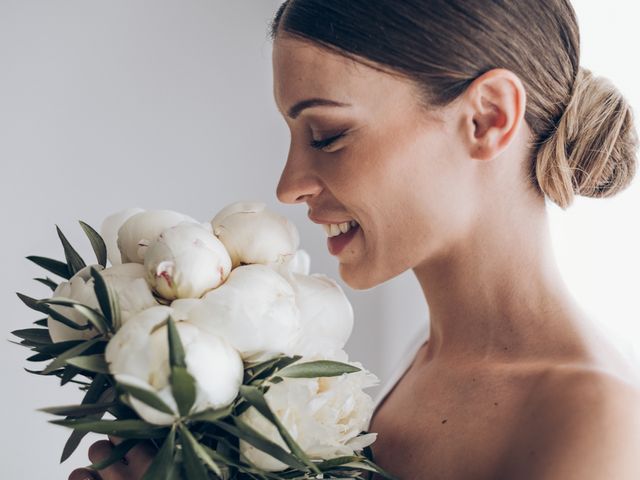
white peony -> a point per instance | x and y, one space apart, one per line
126 280
78 288
326 315
139 230
323 415
255 309
300 262
186 261
253 234
138 355
109 232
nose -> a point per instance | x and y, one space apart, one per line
297 182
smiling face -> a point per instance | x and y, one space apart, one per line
395 168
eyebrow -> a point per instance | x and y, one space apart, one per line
313 102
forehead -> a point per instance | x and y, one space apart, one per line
302 70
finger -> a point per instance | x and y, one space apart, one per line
135 462
99 451
115 440
140 457
83 474
142 453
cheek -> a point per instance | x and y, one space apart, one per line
416 198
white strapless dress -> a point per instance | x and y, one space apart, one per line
402 365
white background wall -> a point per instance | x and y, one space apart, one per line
167 104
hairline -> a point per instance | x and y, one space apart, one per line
358 59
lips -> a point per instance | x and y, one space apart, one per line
320 220
336 244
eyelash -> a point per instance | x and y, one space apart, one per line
325 142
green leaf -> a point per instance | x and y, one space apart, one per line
92 363
107 299
58 317
176 350
43 322
48 282
68 374
28 343
224 461
372 467
163 466
39 372
39 357
197 449
74 260
94 393
211 415
120 428
71 444
37 335
183 388
79 410
118 453
32 303
183 385
253 437
318 368
54 266
42 307
338 461
193 464
148 397
57 348
264 369
97 243
94 317
255 397
60 361
259 367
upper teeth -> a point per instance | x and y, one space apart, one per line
334 229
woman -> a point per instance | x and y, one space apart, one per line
440 127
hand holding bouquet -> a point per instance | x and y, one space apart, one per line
212 341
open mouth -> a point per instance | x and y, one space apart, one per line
337 242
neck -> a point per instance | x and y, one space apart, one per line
501 297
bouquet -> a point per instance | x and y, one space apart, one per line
210 340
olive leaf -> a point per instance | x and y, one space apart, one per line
56 267
183 385
107 299
317 368
97 243
75 262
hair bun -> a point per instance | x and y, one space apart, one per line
593 150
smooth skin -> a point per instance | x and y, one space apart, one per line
515 380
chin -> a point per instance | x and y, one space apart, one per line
362 279
367 278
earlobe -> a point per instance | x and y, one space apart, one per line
497 103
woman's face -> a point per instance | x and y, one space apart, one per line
394 168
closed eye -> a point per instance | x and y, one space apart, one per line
325 142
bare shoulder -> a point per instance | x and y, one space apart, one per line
580 423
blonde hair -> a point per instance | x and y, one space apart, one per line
593 150
583 138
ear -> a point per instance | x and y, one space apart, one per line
494 111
